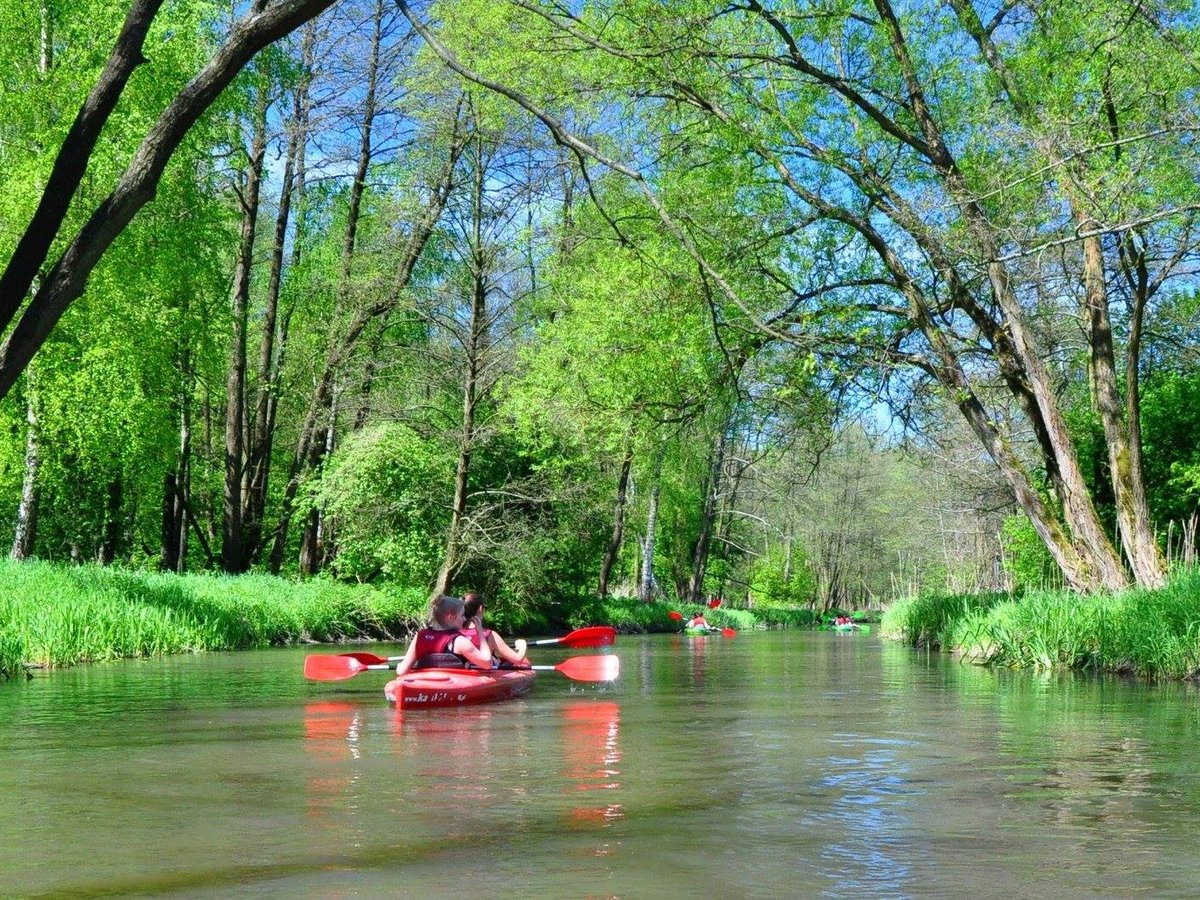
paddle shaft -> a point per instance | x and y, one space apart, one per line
592 636
580 668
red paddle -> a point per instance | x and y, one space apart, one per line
677 616
337 668
587 668
579 668
592 636
714 602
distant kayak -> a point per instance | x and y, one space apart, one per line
851 626
437 688
700 632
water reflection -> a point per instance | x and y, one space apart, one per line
333 729
332 737
778 765
591 755
450 749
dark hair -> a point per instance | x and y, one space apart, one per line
472 603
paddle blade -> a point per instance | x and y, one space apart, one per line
588 668
369 659
677 616
714 602
592 636
729 632
332 668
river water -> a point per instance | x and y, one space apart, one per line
767 765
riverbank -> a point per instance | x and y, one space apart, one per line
53 615
1152 634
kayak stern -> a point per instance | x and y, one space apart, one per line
439 688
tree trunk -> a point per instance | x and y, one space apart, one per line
25 535
183 481
311 437
272 340
168 558
67 278
233 546
312 551
72 160
111 534
618 532
1098 565
1133 510
476 349
712 491
646 585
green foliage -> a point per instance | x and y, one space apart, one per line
769 585
927 620
631 616
1171 445
786 616
1148 633
53 615
1026 559
384 492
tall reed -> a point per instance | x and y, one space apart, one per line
1147 633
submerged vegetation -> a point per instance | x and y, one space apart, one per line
1146 633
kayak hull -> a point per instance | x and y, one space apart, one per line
440 688
700 632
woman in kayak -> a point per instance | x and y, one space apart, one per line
698 621
501 652
446 636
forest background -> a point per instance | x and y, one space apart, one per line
811 305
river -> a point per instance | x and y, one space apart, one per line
766 765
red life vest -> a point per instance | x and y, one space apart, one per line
473 636
431 640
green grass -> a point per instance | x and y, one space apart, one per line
1152 634
53 615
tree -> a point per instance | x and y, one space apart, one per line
66 279
904 234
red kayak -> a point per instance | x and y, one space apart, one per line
433 688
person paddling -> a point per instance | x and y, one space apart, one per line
700 623
444 644
502 654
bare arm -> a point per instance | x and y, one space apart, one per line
507 653
478 656
410 657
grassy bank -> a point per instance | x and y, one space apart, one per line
1148 633
53 615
